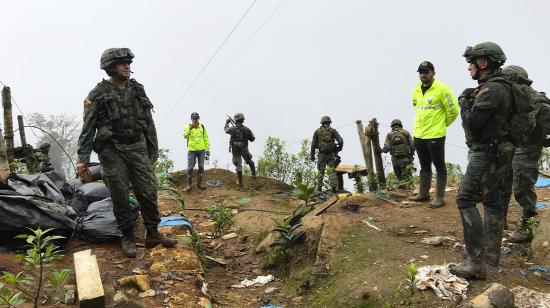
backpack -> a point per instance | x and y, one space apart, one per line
325 139
399 144
237 141
522 111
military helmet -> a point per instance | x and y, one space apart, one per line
396 122
238 117
326 119
517 74
486 49
115 55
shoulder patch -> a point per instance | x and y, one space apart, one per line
87 103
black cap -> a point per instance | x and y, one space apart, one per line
426 66
195 115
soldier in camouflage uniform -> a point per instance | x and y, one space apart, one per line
400 144
525 168
118 126
485 113
240 136
324 140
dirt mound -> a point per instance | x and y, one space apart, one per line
228 179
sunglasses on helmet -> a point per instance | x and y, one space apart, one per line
124 53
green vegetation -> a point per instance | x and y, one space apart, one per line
408 288
359 183
29 285
276 163
279 257
454 174
221 215
165 186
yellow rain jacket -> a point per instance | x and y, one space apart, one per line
197 138
435 110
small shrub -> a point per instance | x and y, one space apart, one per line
221 215
408 288
454 174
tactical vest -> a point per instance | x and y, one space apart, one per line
399 144
540 101
325 140
125 113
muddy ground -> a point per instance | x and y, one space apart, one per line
346 262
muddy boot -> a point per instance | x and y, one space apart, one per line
523 235
199 182
252 170
239 178
424 189
189 183
128 243
153 238
333 190
441 183
474 238
493 225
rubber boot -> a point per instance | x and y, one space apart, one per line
441 183
189 183
252 170
128 243
474 266
523 235
493 225
333 190
199 182
240 178
424 189
153 238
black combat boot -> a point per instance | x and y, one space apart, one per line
333 190
128 243
474 238
153 238
441 183
524 234
424 189
189 183
252 169
239 178
199 181
493 224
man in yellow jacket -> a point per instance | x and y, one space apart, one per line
436 108
198 148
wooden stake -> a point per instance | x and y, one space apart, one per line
367 155
374 136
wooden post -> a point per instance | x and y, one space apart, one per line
8 120
367 155
88 280
372 133
4 161
22 130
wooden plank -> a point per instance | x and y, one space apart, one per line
544 173
350 168
88 280
319 209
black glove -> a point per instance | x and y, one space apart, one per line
339 148
385 149
312 157
377 150
227 121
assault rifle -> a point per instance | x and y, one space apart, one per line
231 138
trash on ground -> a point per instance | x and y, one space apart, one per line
216 260
371 225
148 293
525 297
542 204
438 278
213 183
438 240
258 281
245 201
229 236
539 268
524 273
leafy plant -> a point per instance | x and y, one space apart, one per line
359 184
454 174
221 215
168 189
164 164
29 284
18 165
530 227
408 290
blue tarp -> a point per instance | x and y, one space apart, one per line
542 181
175 221
542 204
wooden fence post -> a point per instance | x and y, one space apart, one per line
367 155
373 135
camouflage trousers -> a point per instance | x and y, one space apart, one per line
521 179
121 166
238 159
402 167
325 160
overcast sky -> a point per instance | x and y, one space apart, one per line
352 60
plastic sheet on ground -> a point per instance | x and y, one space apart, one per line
438 278
258 281
175 221
528 298
542 204
17 213
88 194
35 185
542 181
60 182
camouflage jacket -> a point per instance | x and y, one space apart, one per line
116 116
